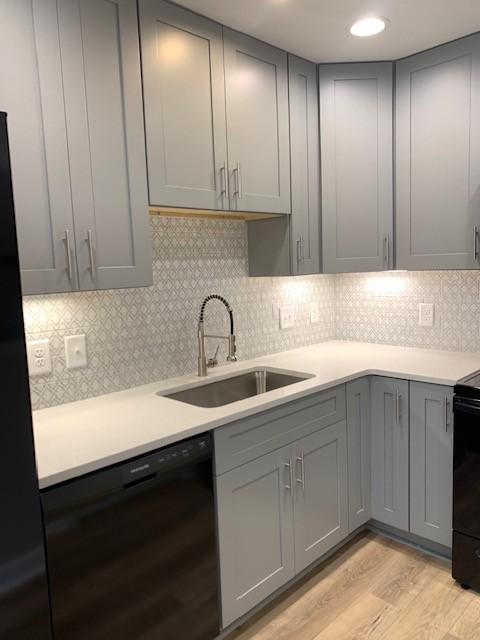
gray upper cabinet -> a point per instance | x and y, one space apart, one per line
438 157
183 79
321 493
255 528
431 462
356 153
103 104
358 447
390 452
305 166
256 83
31 92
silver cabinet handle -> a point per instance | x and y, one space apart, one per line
91 250
223 182
238 181
301 459
289 487
299 250
447 402
398 409
69 254
386 249
475 242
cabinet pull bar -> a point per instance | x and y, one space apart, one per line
446 414
299 243
91 250
238 181
289 487
475 242
398 409
69 255
301 459
223 181
386 250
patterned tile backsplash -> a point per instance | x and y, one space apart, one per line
136 336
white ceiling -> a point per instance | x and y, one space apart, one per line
318 29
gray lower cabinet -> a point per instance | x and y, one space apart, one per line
256 539
290 245
256 86
321 493
104 114
183 80
31 92
356 159
431 462
438 157
358 448
390 452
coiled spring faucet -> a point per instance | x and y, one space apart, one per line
203 363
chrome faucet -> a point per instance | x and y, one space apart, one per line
203 363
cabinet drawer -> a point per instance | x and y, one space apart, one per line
250 438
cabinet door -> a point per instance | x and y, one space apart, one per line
358 446
183 80
389 458
305 166
356 148
31 92
255 526
257 124
431 462
321 498
103 99
438 157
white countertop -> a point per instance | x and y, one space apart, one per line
79 437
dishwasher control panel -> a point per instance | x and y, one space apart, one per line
169 457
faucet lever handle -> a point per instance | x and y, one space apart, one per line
212 362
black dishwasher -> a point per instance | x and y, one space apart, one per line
132 549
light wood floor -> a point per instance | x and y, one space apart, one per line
377 589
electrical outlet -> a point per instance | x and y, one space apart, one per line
287 317
425 314
38 357
75 352
314 312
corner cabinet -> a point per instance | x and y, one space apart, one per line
290 245
356 159
71 83
431 462
438 157
390 452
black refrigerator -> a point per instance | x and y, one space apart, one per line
24 603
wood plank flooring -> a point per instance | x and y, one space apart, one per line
374 589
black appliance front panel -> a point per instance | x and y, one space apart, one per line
136 561
466 467
24 605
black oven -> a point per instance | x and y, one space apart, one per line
466 483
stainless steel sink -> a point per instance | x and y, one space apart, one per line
227 390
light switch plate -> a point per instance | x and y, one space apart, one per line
75 351
425 314
287 317
39 359
314 312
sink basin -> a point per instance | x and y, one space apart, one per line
218 393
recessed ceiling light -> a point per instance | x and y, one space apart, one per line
368 27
